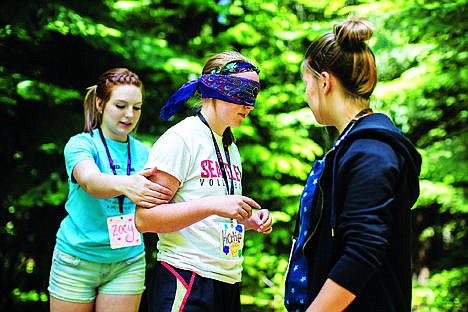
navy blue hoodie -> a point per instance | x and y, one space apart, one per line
362 217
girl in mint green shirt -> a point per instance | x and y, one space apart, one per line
99 258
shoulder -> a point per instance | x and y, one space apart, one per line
376 121
375 138
83 136
189 129
380 129
188 125
82 146
233 148
368 133
82 140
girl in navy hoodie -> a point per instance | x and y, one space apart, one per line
352 248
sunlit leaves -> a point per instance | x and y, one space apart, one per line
243 34
39 91
68 21
130 5
52 192
449 198
183 65
445 291
32 295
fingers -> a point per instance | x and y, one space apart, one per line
161 189
245 211
152 194
245 208
155 197
267 221
149 172
251 202
145 204
151 202
265 228
158 192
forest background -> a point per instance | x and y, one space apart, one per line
51 51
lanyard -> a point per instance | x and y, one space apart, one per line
111 163
220 158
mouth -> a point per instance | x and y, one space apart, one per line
126 124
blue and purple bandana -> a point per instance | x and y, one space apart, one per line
218 84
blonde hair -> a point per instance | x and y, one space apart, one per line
345 53
103 90
220 60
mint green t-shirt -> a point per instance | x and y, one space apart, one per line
84 231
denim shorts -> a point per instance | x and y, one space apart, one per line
76 280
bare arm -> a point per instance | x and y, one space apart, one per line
331 298
172 217
136 187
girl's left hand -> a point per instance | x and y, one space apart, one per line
261 221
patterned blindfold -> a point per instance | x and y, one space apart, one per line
218 84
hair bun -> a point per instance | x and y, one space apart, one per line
353 32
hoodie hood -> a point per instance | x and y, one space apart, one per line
379 126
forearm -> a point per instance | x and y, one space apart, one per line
332 297
171 217
102 185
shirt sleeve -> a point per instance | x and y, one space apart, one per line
368 174
78 148
171 155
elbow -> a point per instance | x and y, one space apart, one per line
94 192
140 223
146 221
87 188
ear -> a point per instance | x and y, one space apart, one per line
326 82
99 105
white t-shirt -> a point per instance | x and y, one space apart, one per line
186 151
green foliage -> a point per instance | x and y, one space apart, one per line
51 51
444 291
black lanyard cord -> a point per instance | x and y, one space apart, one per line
220 158
111 163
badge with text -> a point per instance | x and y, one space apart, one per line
122 231
232 239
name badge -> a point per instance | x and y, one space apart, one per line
232 239
122 231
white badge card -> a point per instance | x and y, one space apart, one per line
232 239
122 231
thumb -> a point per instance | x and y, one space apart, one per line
149 172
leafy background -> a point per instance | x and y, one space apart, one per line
51 51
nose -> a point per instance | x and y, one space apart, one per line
129 112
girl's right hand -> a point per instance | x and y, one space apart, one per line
145 193
233 206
